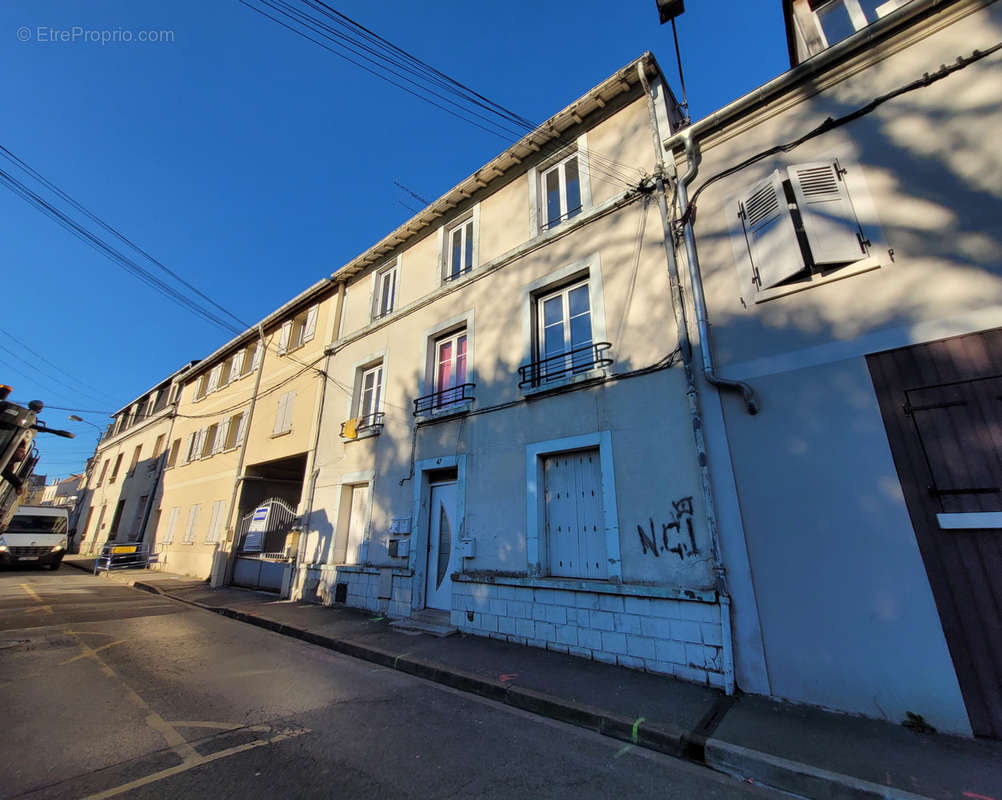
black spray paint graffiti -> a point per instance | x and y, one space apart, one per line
676 536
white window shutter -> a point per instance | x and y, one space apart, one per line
171 524
289 403
830 222
258 355
310 328
280 414
283 337
189 532
242 428
221 432
198 387
189 447
769 232
238 364
214 378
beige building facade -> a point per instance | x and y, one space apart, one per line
122 489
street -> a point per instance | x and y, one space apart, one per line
112 692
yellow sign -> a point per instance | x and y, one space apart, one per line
126 548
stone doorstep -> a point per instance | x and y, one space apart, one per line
428 620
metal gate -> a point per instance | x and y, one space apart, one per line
261 561
942 407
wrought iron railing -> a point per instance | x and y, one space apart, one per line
369 423
564 365
455 275
444 399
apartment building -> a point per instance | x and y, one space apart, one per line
123 486
243 439
506 447
853 284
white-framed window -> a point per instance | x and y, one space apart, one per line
385 294
560 192
215 521
563 328
233 430
209 441
828 22
459 249
299 330
214 376
191 528
175 512
370 392
283 414
450 368
798 226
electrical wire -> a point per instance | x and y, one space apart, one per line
831 123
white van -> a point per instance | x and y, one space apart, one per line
35 535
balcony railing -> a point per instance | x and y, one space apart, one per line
564 365
444 399
370 423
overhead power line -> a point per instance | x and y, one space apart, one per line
109 250
353 42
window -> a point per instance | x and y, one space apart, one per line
190 528
209 441
797 223
171 524
215 521
214 375
172 456
199 389
251 359
135 458
370 392
839 19
459 249
299 330
193 449
283 415
560 192
450 368
104 470
114 471
386 291
563 328
158 447
224 372
233 431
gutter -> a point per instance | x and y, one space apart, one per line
692 394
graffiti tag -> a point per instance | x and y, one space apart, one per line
676 537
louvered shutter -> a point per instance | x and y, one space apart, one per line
238 365
199 388
310 328
258 353
171 524
214 377
769 232
221 432
289 404
830 223
280 414
283 338
242 428
200 442
189 446
189 531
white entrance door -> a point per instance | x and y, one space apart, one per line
441 545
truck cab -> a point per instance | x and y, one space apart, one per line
35 535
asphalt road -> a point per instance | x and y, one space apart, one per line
111 692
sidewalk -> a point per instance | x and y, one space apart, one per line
799 749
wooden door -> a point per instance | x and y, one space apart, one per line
942 407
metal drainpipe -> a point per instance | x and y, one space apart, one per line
695 278
227 570
692 395
314 474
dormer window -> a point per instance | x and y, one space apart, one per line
823 23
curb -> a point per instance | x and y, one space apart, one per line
734 760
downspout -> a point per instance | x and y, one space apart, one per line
221 577
692 395
315 472
696 280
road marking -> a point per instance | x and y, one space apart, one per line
46 609
289 733
33 595
90 652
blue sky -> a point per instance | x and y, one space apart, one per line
252 162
